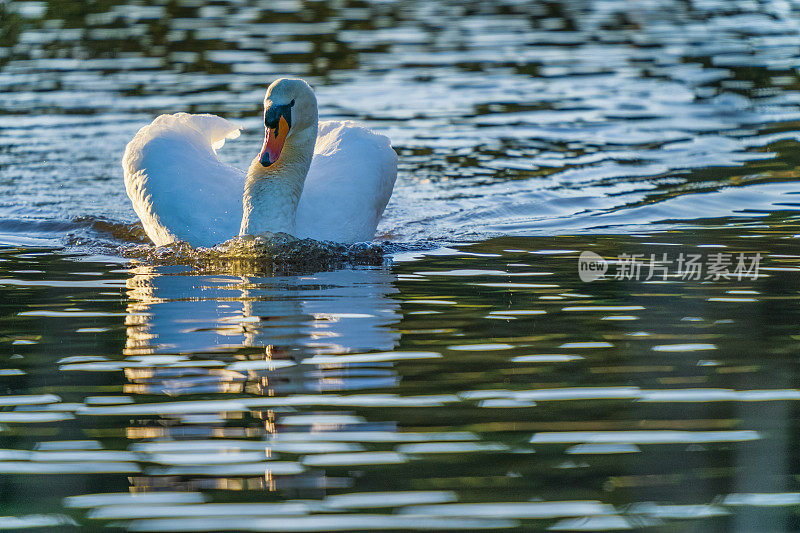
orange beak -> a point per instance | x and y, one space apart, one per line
273 142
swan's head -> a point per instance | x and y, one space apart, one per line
289 107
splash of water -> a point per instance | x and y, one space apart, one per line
266 253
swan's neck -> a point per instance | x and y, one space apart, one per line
271 194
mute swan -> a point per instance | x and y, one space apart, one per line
324 180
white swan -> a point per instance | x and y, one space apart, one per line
327 181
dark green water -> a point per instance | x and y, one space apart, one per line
473 381
489 373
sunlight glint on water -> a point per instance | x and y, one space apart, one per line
470 381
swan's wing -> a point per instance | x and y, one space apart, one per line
349 183
179 187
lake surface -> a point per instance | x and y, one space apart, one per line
480 377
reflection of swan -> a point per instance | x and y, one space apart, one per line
190 332
212 341
342 311
327 181
352 311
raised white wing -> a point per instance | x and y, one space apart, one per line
179 187
183 192
349 183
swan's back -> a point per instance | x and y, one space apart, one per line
179 187
349 184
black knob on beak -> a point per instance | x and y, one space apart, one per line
274 113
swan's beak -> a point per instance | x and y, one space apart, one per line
278 120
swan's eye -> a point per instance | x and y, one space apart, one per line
292 103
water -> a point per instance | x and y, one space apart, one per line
469 379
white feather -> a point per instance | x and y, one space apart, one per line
183 192
179 187
348 185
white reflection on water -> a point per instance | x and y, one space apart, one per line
268 468
480 347
29 399
451 447
288 317
133 498
21 417
303 448
763 499
36 521
322 523
588 449
644 437
579 393
107 400
582 308
68 445
352 400
366 500
320 419
215 457
270 364
513 509
505 403
594 523
330 312
82 455
691 347
58 467
158 510
167 408
374 436
545 358
195 446
374 357
687 395
353 459
587 344
689 511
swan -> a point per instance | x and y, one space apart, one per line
322 180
